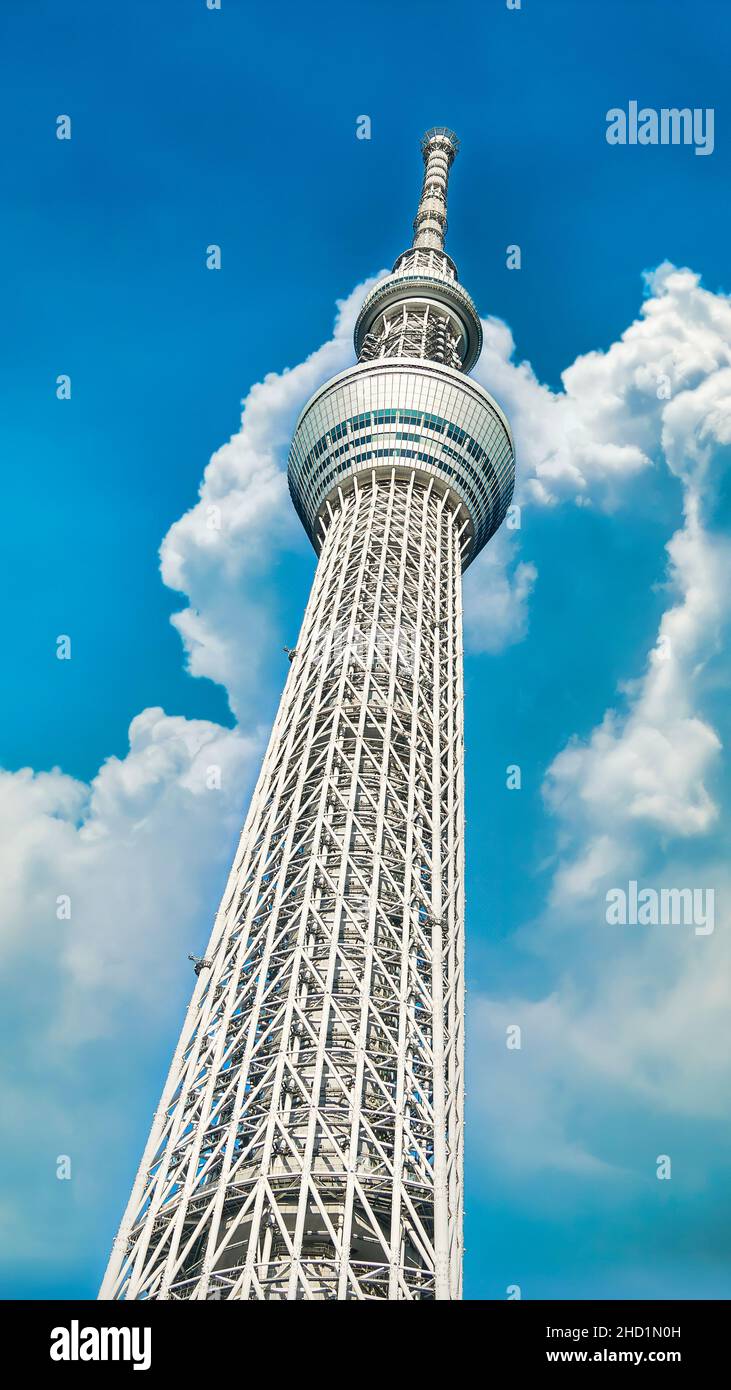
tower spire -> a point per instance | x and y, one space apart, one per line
439 147
420 310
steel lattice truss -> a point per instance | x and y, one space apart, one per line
425 333
308 1144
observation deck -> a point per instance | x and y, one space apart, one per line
413 417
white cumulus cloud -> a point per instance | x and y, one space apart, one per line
643 1016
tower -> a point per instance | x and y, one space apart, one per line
308 1142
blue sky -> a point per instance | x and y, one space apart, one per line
234 127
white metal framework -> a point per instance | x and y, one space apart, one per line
308 1143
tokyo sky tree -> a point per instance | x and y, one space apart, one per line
308 1142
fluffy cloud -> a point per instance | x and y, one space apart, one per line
642 1016
223 552
658 395
496 593
630 1044
138 858
619 410
648 765
105 883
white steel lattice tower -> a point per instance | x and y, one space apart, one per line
308 1143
